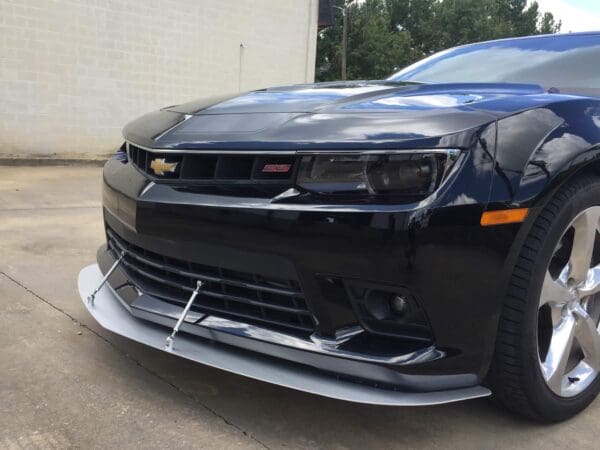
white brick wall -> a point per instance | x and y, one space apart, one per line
73 72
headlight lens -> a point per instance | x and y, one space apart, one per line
413 174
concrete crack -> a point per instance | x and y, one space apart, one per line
136 362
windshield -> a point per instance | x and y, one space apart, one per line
560 61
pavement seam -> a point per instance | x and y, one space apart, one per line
135 361
49 208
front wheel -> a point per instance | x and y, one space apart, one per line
547 356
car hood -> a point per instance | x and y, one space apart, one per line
352 96
328 114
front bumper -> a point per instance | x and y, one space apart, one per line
220 348
438 254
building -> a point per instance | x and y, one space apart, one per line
73 72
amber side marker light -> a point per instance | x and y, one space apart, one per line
490 218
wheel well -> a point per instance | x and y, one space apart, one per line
592 167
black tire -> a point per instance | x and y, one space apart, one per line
515 375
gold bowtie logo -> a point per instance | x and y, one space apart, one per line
160 166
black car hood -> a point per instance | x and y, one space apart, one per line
355 96
332 114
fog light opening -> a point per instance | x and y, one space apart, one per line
384 305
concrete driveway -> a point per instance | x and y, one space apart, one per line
66 382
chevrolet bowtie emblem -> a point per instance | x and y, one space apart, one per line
160 166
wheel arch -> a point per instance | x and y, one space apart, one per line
571 145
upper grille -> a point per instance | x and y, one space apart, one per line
251 298
217 168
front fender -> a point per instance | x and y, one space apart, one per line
537 152
539 149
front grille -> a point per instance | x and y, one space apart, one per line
219 169
265 301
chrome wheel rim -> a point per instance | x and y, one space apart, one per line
569 309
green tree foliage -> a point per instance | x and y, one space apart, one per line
372 45
384 35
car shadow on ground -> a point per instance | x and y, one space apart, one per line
279 416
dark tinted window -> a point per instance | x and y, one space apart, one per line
561 61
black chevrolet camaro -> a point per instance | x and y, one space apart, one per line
423 239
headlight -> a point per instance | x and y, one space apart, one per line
402 173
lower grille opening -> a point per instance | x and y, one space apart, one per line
246 297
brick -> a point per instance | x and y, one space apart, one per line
74 72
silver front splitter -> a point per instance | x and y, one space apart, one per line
112 315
